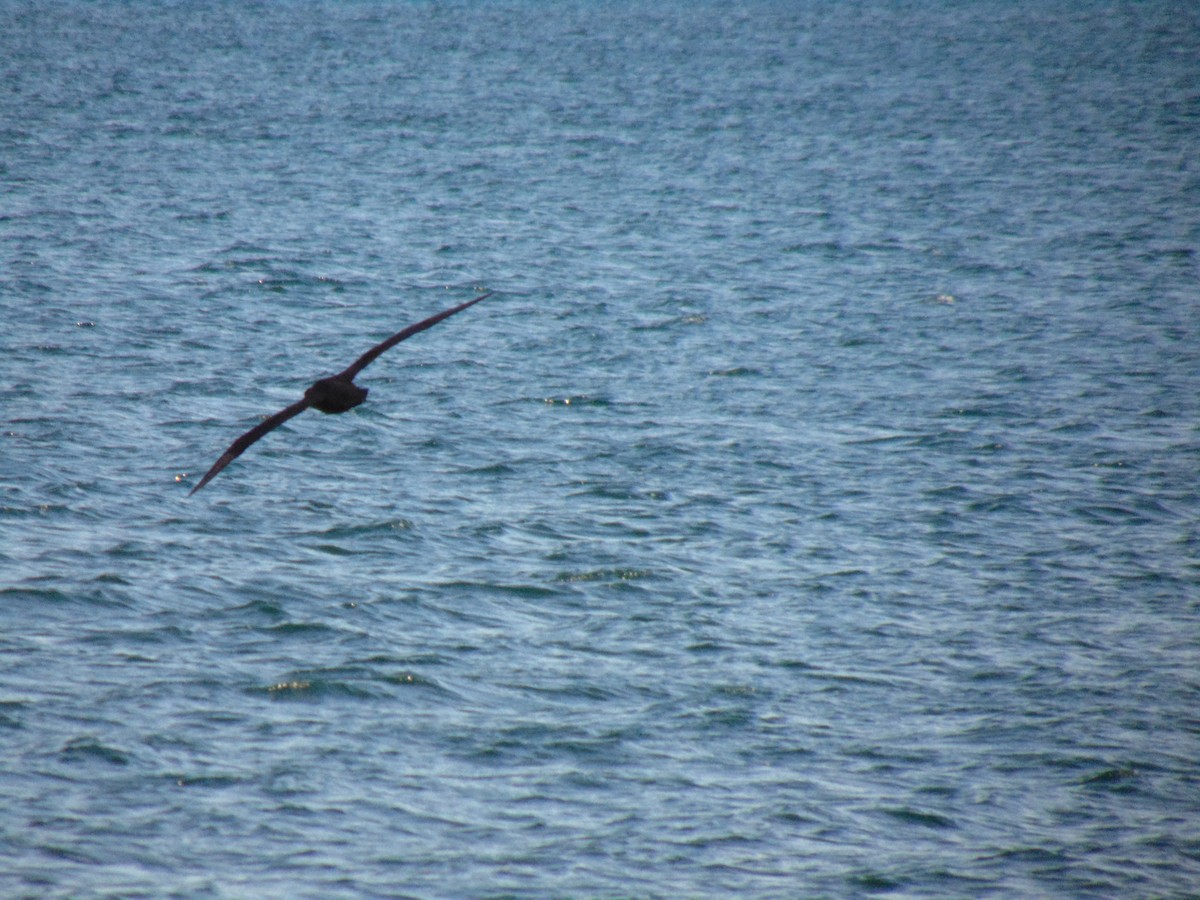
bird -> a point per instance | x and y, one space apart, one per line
334 394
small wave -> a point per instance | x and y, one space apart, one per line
365 529
920 817
610 575
87 748
735 372
1120 776
306 689
576 400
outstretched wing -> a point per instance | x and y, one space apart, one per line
238 447
371 355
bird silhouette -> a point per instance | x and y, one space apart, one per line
335 394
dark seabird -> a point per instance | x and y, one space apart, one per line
335 394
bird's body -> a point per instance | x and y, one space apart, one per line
334 394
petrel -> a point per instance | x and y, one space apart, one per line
335 394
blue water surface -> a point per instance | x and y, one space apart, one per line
812 510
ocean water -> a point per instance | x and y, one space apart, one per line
812 511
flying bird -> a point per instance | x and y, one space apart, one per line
335 394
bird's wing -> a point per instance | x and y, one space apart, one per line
238 447
371 355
